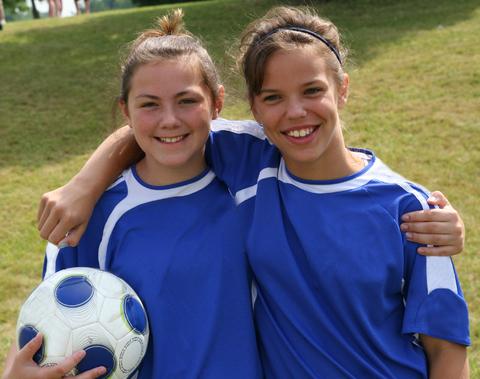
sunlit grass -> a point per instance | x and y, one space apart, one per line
415 95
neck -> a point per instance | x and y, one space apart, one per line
335 162
153 173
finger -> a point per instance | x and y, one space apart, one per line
49 225
29 350
41 208
65 366
93 373
427 227
75 235
439 250
439 199
47 208
61 231
431 239
428 215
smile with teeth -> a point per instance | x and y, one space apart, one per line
298 133
170 139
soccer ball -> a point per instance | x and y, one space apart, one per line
84 308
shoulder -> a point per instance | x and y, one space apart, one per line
110 199
393 188
238 127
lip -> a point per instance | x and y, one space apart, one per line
183 138
305 139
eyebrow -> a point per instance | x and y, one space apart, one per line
271 90
147 95
154 97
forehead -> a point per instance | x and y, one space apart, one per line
300 64
168 75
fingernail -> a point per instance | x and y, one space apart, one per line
63 244
102 370
405 217
403 227
409 235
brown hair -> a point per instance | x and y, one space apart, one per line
169 40
266 35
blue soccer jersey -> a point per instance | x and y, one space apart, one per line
341 293
181 248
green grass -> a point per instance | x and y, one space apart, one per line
415 95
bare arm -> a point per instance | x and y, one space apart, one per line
446 360
20 364
443 228
68 209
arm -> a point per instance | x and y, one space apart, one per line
445 359
20 364
441 227
68 208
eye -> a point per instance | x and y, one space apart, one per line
148 104
188 100
313 90
271 98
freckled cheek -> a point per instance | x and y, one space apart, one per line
199 121
145 121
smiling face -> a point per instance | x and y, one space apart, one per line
298 106
169 109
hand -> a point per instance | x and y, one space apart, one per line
23 365
441 227
63 213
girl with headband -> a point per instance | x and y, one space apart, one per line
340 289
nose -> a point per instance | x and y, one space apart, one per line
169 119
296 109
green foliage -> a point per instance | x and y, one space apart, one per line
157 2
14 6
414 99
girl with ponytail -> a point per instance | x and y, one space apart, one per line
168 226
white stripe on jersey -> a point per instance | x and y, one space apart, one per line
238 127
439 270
247 193
138 195
51 254
119 180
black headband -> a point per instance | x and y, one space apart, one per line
307 31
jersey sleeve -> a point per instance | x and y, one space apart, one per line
85 254
434 302
237 151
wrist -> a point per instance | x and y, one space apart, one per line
90 187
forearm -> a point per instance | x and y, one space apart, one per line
63 213
116 153
446 360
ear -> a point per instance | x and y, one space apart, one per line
217 107
343 92
124 108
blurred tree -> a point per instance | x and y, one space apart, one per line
16 6
156 2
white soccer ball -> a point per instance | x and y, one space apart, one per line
84 308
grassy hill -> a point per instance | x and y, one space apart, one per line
415 95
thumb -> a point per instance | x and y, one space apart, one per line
74 235
27 352
437 198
